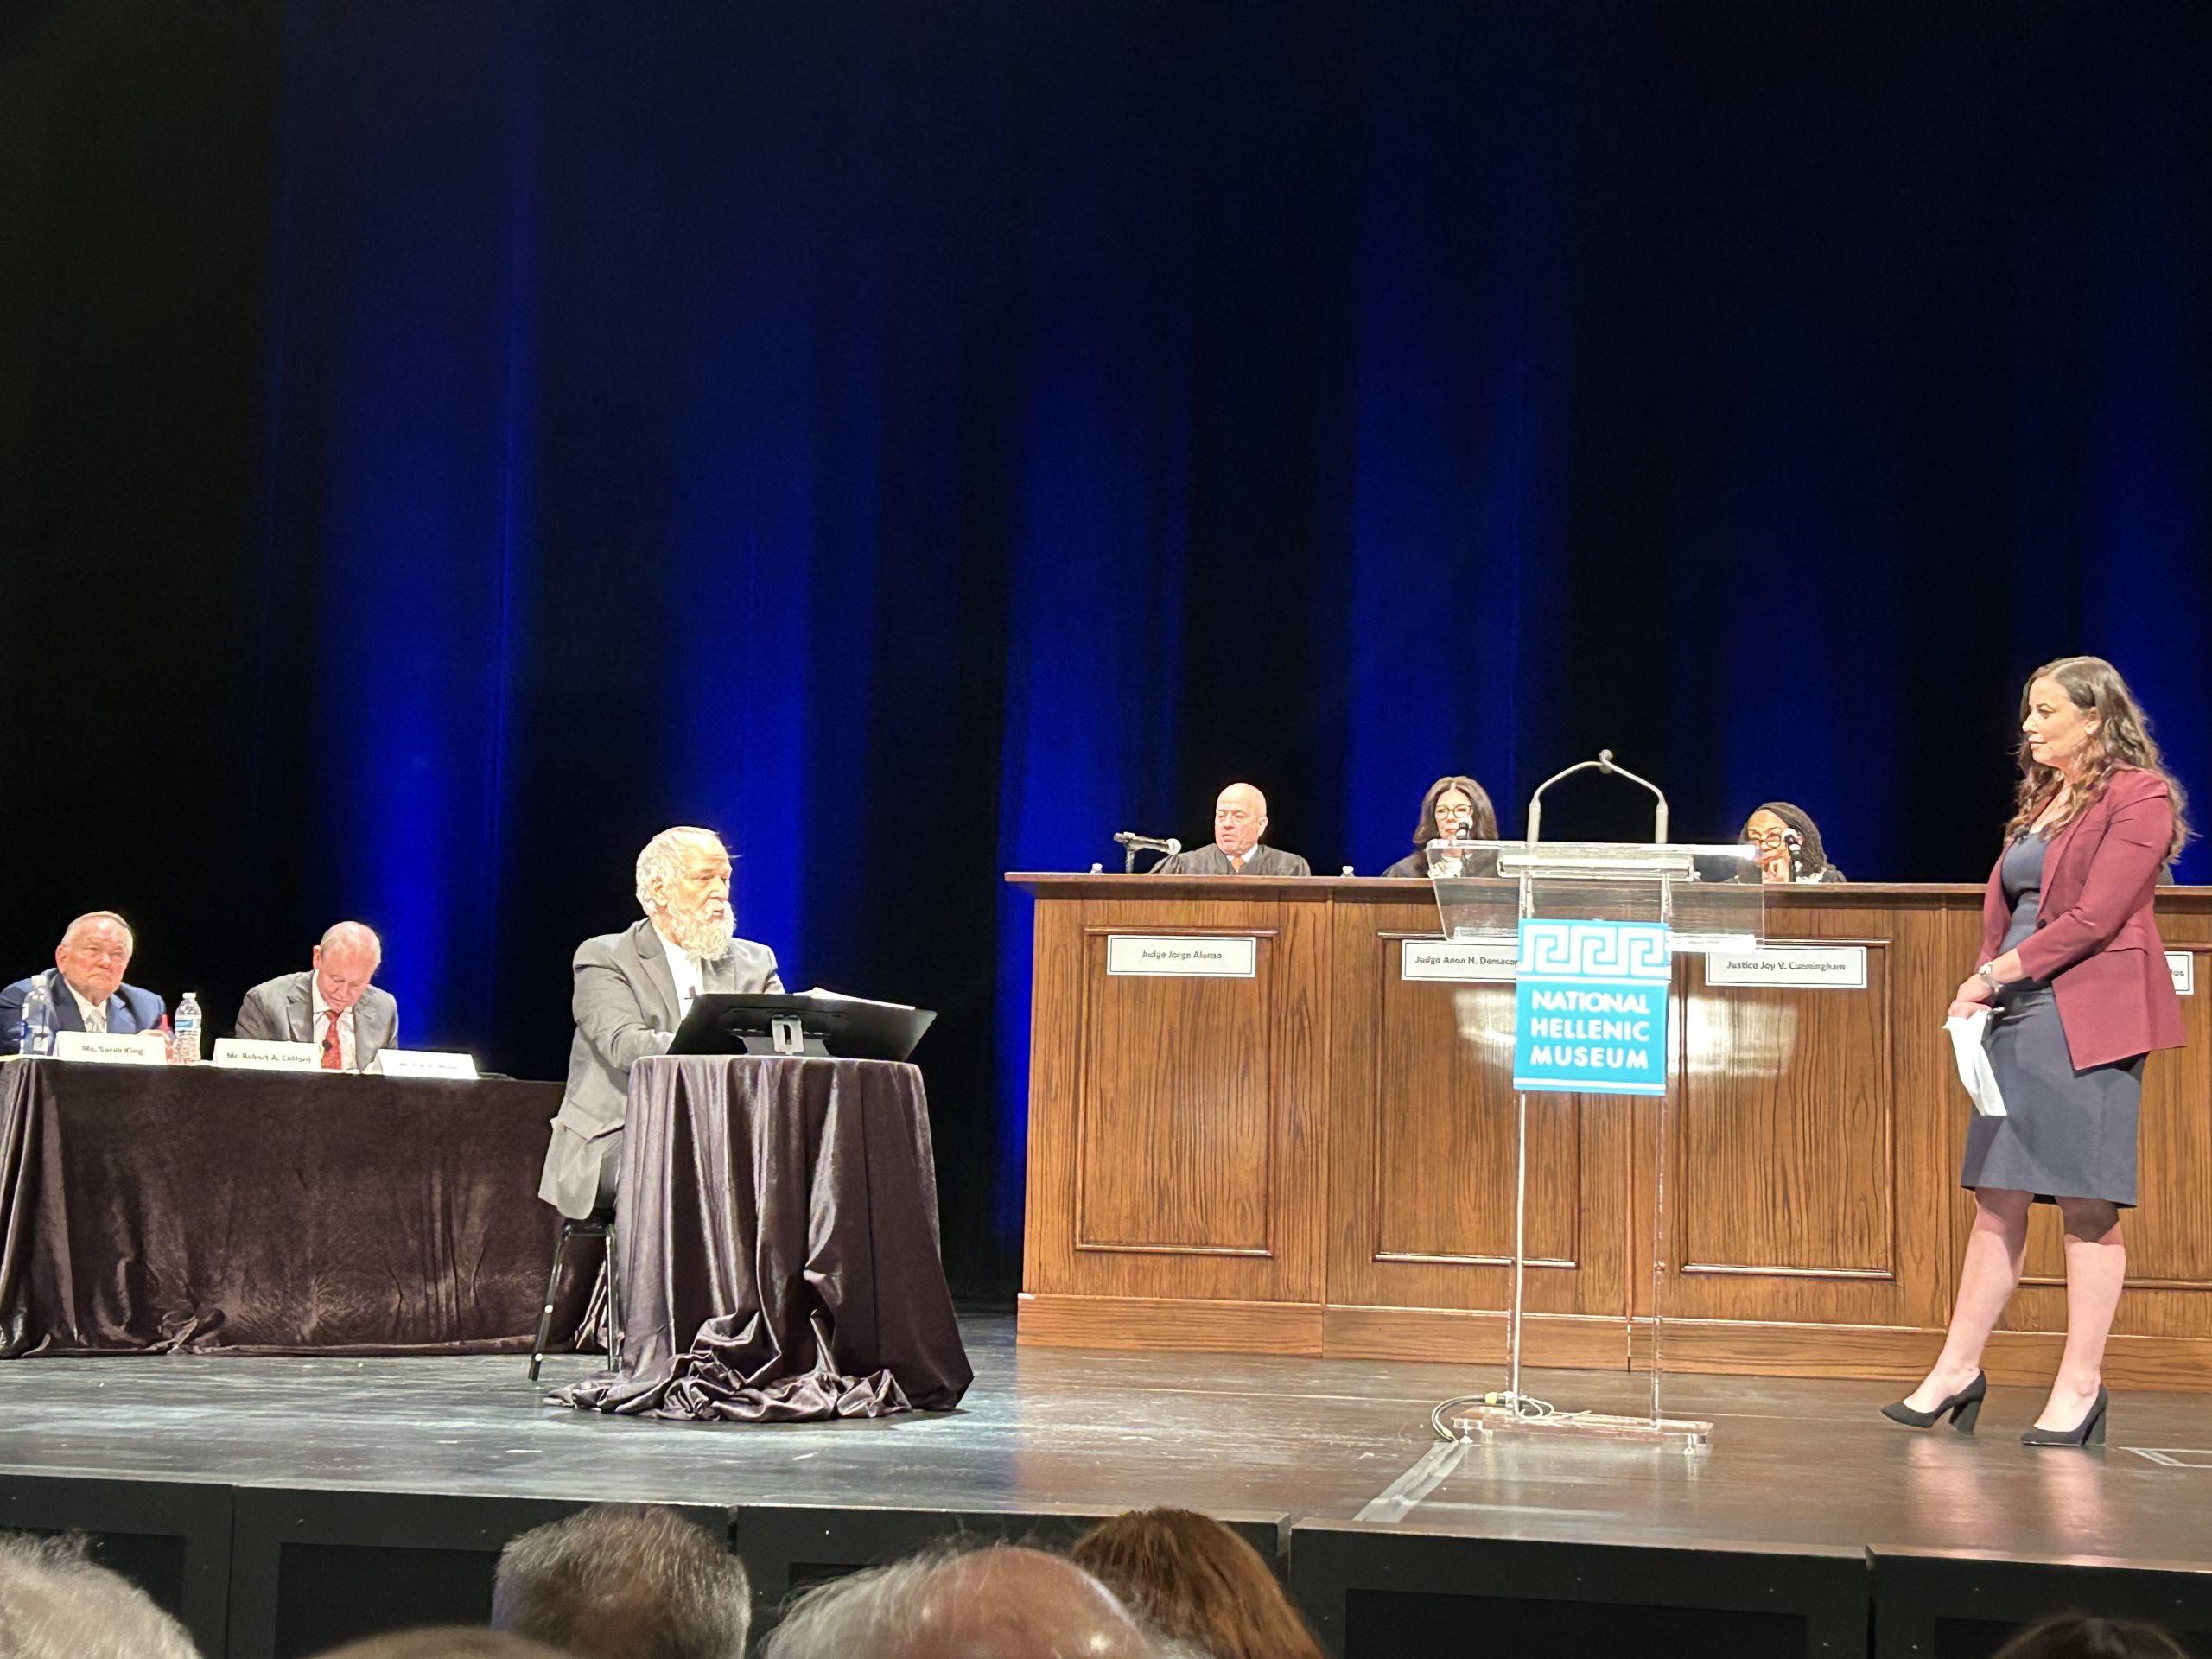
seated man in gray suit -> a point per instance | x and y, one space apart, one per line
84 987
333 1003
632 990
1240 818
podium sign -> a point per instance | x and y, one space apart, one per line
1592 1008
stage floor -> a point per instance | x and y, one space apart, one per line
1795 1465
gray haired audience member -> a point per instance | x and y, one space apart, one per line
2077 1635
625 1581
1003 1601
445 1642
55 1604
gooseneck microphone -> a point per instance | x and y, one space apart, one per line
1604 762
1132 844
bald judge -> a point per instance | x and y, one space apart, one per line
332 1004
1240 818
633 989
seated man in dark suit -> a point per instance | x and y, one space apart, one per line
1240 818
84 986
633 989
333 1003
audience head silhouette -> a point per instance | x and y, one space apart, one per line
446 1642
625 1581
55 1604
1194 1580
1003 1602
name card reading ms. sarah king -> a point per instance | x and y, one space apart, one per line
1183 956
1823 966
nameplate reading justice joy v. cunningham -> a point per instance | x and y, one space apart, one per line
1183 956
1823 966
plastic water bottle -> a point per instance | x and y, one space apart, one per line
184 1042
38 1020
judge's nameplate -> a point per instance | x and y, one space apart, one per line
1184 956
112 1048
1820 966
250 1055
421 1063
1458 961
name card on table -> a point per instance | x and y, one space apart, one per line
247 1054
2182 964
1823 966
1458 961
140 1048
1182 957
421 1063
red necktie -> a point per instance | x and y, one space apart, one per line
333 1058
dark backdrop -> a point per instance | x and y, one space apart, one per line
440 445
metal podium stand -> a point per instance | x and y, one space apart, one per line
1708 898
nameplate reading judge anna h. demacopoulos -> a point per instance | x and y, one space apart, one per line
1592 1008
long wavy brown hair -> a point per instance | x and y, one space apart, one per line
1194 1580
2122 741
1484 827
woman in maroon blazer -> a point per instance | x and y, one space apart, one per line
2074 975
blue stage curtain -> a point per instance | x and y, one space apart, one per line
920 441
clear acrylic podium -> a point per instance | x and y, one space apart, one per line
1709 898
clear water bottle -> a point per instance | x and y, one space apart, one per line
184 1041
38 1020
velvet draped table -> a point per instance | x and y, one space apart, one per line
779 1246
187 1208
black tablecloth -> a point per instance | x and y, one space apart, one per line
187 1208
778 1245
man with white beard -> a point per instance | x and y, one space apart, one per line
632 990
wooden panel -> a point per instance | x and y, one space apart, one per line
1786 1111
2013 1358
2168 1234
1443 1080
1421 1142
1320 1159
1801 1160
1175 1105
1583 1341
1177 1126
1169 1323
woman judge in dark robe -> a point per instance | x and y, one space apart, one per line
1455 809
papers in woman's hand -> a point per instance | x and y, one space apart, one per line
1969 1033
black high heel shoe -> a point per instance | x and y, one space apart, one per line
2090 1431
1964 1406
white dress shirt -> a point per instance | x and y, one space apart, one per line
684 969
322 1025
94 1014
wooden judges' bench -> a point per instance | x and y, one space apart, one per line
1314 1160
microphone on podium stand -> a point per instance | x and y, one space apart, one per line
1131 843
1604 762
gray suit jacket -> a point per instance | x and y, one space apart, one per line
625 1011
281 1010
1210 860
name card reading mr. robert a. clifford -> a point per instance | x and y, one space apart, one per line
1821 967
1459 961
1184 956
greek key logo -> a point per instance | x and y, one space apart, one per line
1594 951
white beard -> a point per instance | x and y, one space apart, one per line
701 938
